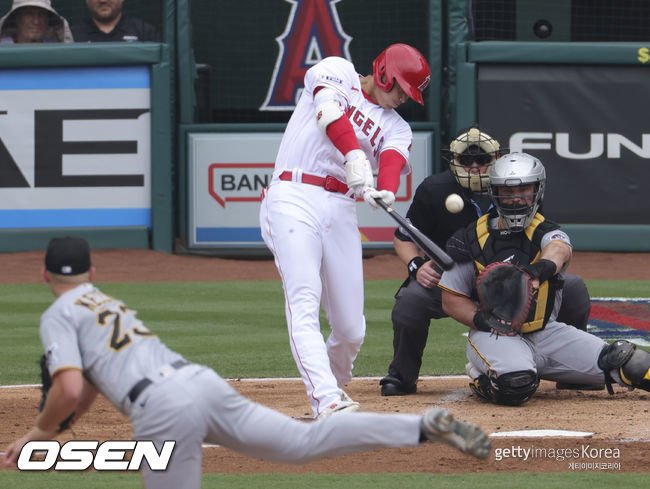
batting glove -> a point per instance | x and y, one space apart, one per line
358 174
370 194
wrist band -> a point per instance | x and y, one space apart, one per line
542 269
480 323
414 265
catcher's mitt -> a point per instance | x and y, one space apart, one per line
46 382
505 292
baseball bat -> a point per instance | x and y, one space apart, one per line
430 249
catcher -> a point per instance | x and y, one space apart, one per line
418 302
507 288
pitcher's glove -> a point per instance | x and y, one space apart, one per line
46 382
505 292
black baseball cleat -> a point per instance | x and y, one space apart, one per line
482 387
392 386
568 386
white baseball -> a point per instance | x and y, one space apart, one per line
454 203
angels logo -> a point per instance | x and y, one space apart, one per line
313 32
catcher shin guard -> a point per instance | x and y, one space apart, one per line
511 389
631 364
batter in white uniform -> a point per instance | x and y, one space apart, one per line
506 369
94 342
344 125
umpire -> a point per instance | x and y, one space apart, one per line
419 299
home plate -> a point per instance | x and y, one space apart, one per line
541 434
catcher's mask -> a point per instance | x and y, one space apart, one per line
405 64
468 156
515 170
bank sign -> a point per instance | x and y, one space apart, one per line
75 147
228 172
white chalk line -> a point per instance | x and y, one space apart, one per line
541 434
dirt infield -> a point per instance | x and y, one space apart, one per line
621 433
617 423
156 266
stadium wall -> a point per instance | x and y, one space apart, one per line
209 75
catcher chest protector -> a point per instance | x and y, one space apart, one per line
631 363
487 246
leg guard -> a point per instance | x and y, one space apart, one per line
511 389
631 364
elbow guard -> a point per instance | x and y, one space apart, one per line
328 109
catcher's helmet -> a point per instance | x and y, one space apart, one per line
405 64
469 147
513 170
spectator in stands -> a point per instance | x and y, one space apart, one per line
33 21
107 23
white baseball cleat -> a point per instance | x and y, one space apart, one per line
439 425
345 405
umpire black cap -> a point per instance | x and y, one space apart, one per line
67 256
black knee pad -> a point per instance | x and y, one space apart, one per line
515 388
631 363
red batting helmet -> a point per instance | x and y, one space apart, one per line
405 64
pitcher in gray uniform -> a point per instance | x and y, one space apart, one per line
94 343
506 369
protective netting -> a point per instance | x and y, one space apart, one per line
559 20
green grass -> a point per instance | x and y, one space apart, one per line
618 288
238 328
575 480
